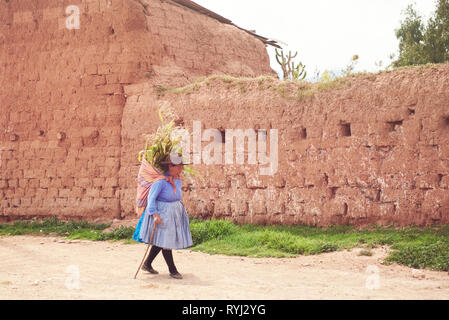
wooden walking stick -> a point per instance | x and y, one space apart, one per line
148 247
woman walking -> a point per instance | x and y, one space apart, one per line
165 209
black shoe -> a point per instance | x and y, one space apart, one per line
149 269
176 275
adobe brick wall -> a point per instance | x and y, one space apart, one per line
373 150
190 45
62 93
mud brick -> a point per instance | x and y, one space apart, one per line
18 173
39 173
25 202
73 201
391 195
98 182
91 69
3 184
86 203
6 154
12 164
276 220
239 206
67 182
53 192
112 163
110 89
260 219
107 192
435 203
61 202
337 178
77 192
83 182
112 205
429 181
359 129
111 182
398 160
48 203
444 182
20 192
15 202
104 68
127 78
99 202
294 180
222 208
4 203
411 132
257 204
386 210
9 193
429 159
401 180
64 193
393 114
91 192
33 183
23 183
112 79
41 193
336 207
275 204
13 183
295 203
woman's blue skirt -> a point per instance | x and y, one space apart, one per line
172 233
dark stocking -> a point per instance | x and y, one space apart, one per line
153 253
168 256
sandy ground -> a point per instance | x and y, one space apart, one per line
47 268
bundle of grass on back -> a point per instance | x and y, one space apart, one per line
164 141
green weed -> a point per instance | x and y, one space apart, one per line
411 246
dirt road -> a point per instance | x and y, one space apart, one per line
46 268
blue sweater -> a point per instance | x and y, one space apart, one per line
162 190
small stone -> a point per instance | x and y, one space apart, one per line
418 274
35 283
41 242
61 241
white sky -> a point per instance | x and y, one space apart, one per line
326 33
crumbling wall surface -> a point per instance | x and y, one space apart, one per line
371 149
191 45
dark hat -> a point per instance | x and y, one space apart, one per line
176 164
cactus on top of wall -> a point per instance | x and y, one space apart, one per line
289 69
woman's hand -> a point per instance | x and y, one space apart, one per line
157 218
